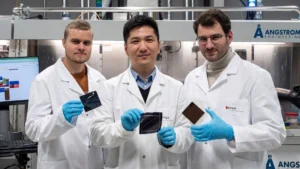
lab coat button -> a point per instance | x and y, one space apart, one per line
144 156
87 114
89 146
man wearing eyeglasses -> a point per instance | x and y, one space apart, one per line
243 116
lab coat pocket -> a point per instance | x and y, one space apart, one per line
168 117
235 112
54 164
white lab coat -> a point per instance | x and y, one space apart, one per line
130 150
244 96
61 144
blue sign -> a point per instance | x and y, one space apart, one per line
270 164
276 33
282 164
258 32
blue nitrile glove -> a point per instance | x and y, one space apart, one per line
215 129
167 136
131 119
72 108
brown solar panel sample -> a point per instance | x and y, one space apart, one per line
193 112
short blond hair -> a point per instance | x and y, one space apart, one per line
77 24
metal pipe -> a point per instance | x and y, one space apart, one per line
64 4
65 15
169 13
162 9
88 5
82 6
151 14
44 7
193 5
186 13
259 14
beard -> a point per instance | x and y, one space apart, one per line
221 51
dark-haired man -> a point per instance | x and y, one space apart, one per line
243 112
141 88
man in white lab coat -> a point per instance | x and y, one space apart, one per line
56 119
243 112
141 88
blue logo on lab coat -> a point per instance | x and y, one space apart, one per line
270 164
258 32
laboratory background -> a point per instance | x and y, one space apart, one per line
266 33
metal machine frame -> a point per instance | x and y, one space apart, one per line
19 31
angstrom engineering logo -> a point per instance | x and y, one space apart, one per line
276 33
282 164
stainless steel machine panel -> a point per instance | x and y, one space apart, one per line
244 30
115 60
50 50
276 59
5 32
296 65
182 62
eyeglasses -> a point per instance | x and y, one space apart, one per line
202 40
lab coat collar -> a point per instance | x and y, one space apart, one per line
233 66
157 83
201 77
137 77
66 76
231 69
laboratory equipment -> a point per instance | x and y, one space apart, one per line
292 95
292 118
16 75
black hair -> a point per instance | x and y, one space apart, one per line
139 21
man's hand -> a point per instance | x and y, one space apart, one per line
131 119
72 108
215 129
167 136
